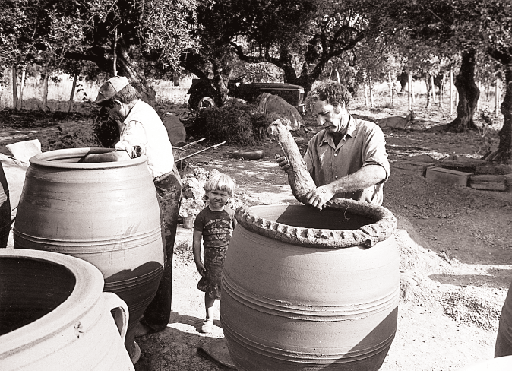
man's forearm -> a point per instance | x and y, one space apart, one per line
363 178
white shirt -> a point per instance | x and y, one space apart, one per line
143 127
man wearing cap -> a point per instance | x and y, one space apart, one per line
143 133
347 158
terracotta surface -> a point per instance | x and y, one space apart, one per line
5 209
504 340
54 315
286 306
81 209
298 177
346 223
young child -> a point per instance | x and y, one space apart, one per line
214 225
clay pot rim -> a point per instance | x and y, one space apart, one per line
366 236
46 159
86 293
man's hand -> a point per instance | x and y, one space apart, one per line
320 196
283 162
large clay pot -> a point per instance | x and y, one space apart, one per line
306 289
5 209
54 315
105 213
503 345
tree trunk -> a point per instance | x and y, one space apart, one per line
429 91
219 84
126 67
372 100
409 91
433 89
72 95
468 94
390 89
22 84
441 94
366 95
14 87
504 152
403 78
497 97
480 89
451 91
45 87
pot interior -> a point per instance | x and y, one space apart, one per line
309 217
29 289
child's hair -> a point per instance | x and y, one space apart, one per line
220 182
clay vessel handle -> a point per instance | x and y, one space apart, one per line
115 303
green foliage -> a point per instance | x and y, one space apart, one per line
234 122
105 129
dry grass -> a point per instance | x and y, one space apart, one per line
59 93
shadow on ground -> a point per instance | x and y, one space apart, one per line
176 348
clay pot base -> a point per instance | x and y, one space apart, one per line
217 349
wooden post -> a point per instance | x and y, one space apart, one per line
497 97
451 91
14 87
409 90
390 89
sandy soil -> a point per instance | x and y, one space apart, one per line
454 244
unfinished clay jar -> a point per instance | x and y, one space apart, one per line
503 345
105 213
305 289
5 209
54 315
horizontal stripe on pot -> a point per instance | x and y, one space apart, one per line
296 296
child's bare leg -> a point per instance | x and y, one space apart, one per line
208 324
208 303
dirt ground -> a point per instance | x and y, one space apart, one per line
454 243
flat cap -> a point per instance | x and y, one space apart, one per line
109 89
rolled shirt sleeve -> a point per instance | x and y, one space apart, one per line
133 135
374 149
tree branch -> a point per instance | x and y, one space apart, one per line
501 54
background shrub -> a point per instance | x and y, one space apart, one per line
235 122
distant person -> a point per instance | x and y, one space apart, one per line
143 133
347 158
214 226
